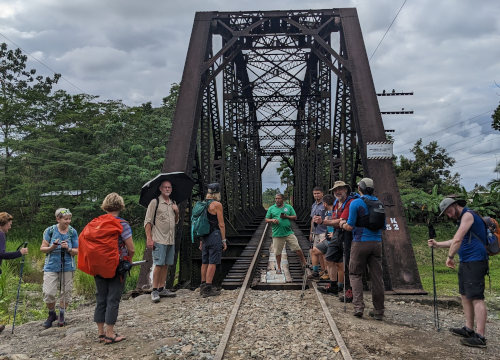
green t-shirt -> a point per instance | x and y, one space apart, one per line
283 228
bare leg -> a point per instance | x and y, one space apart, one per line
210 273
480 313
340 271
100 329
204 268
278 262
163 276
157 272
468 312
332 271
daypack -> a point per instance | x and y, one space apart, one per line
375 219
492 235
98 246
199 219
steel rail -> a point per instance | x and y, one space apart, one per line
219 355
234 312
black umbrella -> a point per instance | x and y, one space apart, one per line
182 185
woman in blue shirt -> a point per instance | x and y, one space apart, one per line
60 244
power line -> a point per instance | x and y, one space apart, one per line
383 37
446 128
42 63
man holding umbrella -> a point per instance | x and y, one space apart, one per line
161 217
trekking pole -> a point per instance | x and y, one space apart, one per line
304 277
19 285
62 290
432 235
345 302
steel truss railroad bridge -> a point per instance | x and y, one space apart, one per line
256 87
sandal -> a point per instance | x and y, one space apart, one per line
101 337
111 340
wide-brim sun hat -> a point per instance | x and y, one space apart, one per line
338 184
447 202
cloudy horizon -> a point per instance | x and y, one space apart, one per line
446 52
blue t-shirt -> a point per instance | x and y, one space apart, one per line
472 248
357 209
53 259
318 209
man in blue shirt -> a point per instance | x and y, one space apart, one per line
366 250
470 243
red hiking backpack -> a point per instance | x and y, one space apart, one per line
98 246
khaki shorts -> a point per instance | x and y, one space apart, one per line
279 243
317 238
51 284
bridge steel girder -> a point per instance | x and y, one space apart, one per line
277 69
401 266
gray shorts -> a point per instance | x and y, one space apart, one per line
163 254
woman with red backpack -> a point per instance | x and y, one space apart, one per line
109 290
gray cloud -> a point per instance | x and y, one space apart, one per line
446 52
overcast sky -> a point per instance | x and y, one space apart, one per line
447 52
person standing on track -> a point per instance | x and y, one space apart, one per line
279 215
317 234
366 250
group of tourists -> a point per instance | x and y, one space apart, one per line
334 227
344 249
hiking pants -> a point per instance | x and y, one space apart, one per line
108 296
367 253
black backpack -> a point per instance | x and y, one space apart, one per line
375 219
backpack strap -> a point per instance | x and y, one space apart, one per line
156 209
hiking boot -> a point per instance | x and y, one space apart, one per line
463 332
202 287
155 296
330 289
475 341
358 313
376 316
314 276
210 291
348 296
167 293
61 321
52 317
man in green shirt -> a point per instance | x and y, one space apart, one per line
279 215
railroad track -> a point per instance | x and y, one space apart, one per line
260 250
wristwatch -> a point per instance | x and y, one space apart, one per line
450 257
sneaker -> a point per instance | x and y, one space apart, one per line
324 277
463 332
167 293
329 289
474 341
211 291
155 296
52 317
323 272
314 276
348 296
358 313
376 316
202 287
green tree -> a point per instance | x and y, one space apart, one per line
495 124
23 99
268 196
286 175
429 168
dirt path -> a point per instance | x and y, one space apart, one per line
189 327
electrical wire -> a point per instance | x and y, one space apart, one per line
42 63
383 37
